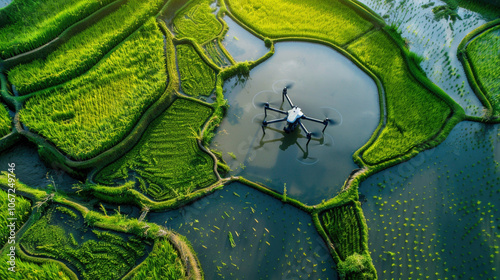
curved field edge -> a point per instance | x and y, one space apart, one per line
117 223
43 28
493 114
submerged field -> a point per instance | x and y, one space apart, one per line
132 134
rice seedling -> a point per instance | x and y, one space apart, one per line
196 21
341 224
167 157
5 122
28 24
405 128
162 263
95 111
333 21
482 52
197 78
21 213
83 50
214 51
116 254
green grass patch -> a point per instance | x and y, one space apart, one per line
83 50
92 113
322 19
28 24
483 54
22 210
414 113
27 269
341 224
197 78
5 122
196 21
167 157
96 254
162 263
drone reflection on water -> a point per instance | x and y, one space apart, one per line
324 84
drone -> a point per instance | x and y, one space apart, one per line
293 117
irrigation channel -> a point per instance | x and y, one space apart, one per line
436 216
272 240
241 44
436 41
32 171
323 83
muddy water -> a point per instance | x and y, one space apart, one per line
436 216
272 240
31 170
241 44
436 40
324 84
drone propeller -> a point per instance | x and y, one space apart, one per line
331 115
290 85
265 97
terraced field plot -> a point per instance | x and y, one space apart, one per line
147 160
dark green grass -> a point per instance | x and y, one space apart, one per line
483 52
26 269
197 78
196 21
5 122
21 211
96 254
162 263
342 227
167 159
92 113
28 24
83 50
414 113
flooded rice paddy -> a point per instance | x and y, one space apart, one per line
241 44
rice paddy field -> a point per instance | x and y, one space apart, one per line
134 143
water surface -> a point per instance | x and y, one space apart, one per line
241 44
324 84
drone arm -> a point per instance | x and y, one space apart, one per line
287 98
325 121
273 109
274 121
306 131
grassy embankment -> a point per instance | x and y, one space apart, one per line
93 112
478 53
83 50
197 78
419 114
197 22
167 158
5 122
28 24
21 212
71 233
61 234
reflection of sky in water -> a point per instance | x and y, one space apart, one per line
437 42
323 84
439 210
273 240
241 44
4 3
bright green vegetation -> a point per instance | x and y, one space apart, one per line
342 226
84 50
96 254
196 21
216 54
414 113
28 24
21 213
162 263
197 78
5 122
167 158
482 52
26 269
323 19
93 112
356 267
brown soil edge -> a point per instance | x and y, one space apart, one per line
471 73
46 49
